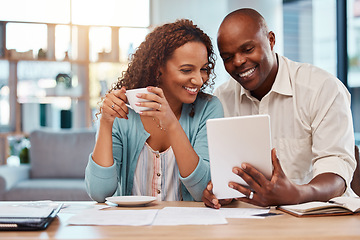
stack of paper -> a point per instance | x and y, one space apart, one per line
27 215
165 216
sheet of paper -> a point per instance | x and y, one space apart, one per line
30 209
189 216
114 217
25 212
243 212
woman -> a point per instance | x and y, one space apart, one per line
162 152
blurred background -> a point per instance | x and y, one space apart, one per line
58 57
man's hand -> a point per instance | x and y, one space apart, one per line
277 191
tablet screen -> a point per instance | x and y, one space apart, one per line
235 140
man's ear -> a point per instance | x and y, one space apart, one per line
271 37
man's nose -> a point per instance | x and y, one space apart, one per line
239 59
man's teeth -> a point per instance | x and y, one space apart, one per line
247 73
191 89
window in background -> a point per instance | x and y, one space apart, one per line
100 43
62 42
310 32
2 43
133 13
129 40
54 11
4 96
353 52
26 39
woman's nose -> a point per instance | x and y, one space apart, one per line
197 80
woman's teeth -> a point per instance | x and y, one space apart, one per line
191 89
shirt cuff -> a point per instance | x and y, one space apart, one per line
334 165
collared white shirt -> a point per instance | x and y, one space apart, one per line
157 174
311 121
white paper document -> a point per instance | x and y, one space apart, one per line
168 216
189 216
31 209
24 212
114 217
243 212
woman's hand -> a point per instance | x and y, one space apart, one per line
161 108
210 200
277 191
114 106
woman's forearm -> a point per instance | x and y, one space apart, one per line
186 157
103 154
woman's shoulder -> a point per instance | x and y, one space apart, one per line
208 103
207 99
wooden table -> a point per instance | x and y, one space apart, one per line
274 227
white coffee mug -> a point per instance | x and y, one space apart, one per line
132 99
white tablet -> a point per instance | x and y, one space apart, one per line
235 140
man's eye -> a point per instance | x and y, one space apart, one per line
250 49
225 59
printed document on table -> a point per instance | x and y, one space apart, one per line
27 209
189 216
114 217
243 212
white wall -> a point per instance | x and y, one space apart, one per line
208 15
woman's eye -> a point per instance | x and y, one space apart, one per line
185 70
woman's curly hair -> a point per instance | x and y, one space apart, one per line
159 45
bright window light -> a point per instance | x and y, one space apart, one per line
54 11
25 36
111 12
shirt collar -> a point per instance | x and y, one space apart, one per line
282 84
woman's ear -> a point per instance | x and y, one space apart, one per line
159 74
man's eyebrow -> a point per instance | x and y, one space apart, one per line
247 43
224 53
241 47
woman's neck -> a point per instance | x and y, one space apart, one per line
177 110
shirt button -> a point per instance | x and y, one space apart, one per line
158 174
158 191
157 155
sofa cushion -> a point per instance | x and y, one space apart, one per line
60 153
48 189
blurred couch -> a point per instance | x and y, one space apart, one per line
57 167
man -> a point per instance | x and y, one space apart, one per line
311 122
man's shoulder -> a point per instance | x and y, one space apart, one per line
306 73
308 78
